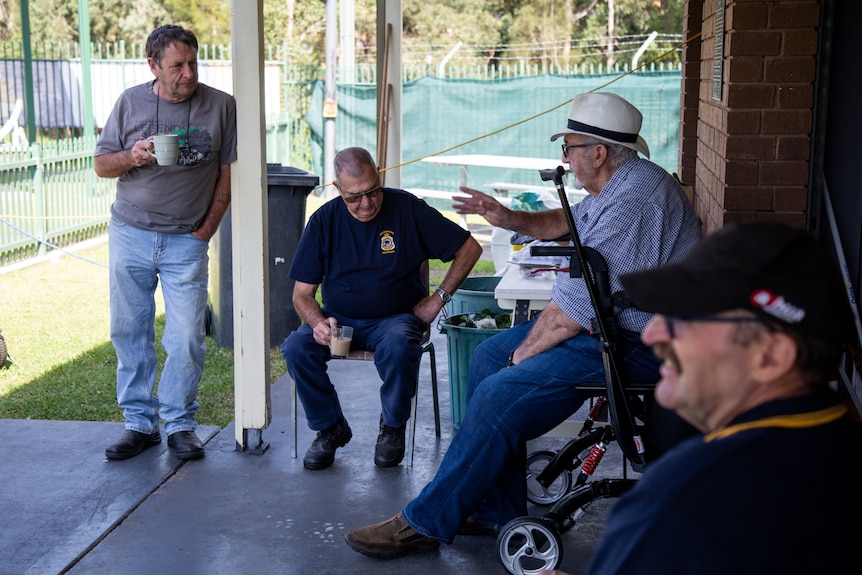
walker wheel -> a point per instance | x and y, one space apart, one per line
527 545
536 492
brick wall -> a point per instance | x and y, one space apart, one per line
689 99
748 153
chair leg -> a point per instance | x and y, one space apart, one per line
411 430
432 356
427 347
293 415
411 426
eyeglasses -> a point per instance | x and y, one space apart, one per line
671 321
356 198
567 147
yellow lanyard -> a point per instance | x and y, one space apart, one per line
798 420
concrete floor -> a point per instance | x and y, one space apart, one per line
66 509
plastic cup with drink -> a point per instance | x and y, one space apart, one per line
339 340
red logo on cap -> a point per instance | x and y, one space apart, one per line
777 306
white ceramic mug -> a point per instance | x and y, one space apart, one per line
166 149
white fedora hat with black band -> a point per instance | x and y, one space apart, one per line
606 117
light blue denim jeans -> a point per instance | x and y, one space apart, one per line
138 260
483 473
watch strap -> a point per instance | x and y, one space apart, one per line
444 295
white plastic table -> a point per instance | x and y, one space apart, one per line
522 295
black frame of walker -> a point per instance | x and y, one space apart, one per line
593 268
538 538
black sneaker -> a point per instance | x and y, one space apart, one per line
321 454
390 446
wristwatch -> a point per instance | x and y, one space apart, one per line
444 295
511 361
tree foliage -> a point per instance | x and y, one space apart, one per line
489 31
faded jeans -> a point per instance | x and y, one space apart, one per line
483 474
138 260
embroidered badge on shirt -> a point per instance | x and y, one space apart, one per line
387 242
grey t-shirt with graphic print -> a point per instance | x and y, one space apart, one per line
171 199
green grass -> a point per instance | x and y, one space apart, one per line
54 317
55 322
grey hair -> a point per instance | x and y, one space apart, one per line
617 153
353 162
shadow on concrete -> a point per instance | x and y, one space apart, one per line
66 509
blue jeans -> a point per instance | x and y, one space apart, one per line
483 473
395 343
138 260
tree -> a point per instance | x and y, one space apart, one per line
7 22
491 31
632 18
208 19
431 30
299 26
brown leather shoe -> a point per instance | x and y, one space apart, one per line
390 539
473 527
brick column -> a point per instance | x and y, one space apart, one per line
753 145
689 98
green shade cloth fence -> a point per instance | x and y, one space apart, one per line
441 113
55 196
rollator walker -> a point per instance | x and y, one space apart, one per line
642 429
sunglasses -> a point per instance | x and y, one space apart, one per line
672 321
356 198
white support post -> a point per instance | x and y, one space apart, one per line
389 12
250 243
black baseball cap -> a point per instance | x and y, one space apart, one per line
778 272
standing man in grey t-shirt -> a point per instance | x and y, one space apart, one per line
161 223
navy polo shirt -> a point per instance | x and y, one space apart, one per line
372 269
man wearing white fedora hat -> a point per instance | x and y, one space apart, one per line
524 381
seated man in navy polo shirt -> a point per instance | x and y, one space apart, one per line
366 249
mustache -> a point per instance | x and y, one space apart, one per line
664 352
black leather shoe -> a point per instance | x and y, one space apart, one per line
132 443
321 454
186 445
389 450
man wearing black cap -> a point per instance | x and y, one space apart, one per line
750 326
524 381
